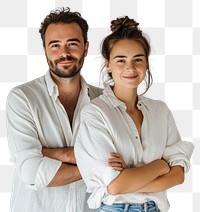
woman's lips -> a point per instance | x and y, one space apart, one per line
130 77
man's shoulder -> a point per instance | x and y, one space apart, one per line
94 91
33 84
30 89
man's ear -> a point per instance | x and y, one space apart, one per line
86 49
44 50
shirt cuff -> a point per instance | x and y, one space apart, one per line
179 154
109 175
46 172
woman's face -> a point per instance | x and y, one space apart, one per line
127 63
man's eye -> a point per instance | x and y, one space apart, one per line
55 46
73 44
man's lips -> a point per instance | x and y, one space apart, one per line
65 62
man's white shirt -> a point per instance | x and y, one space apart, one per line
36 119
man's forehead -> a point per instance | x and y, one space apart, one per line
64 31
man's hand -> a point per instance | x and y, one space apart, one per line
66 154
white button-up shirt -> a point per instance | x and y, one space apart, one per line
106 127
36 119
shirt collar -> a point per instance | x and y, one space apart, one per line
51 85
53 88
143 101
108 92
84 86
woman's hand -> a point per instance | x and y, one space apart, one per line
116 161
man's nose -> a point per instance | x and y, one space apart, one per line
64 52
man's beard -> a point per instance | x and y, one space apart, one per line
72 70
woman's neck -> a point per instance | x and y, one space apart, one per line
128 96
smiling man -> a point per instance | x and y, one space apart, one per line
65 57
42 118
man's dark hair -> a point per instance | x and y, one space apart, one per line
65 16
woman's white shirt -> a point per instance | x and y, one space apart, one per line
106 127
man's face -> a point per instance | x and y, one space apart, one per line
65 49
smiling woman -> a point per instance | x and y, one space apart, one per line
128 148
127 64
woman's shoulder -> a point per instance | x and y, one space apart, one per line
154 104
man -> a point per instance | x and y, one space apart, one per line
43 115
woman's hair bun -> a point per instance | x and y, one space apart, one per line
124 22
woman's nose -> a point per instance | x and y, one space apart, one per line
130 66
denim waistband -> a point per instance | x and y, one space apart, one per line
147 206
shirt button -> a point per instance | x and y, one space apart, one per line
136 137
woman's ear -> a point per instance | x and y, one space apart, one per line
108 67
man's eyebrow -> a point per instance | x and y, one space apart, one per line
74 39
53 41
69 40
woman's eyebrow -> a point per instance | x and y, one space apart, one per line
119 56
139 55
123 56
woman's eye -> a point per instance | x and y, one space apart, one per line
120 61
138 60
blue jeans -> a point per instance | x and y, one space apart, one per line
119 207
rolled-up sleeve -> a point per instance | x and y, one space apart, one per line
24 144
177 152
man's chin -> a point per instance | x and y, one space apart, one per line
62 74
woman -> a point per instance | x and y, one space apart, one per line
128 148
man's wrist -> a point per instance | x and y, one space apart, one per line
70 155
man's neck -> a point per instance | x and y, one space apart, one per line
67 86
69 90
